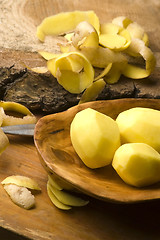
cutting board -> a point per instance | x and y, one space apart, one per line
98 220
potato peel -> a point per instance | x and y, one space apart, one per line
85 35
67 198
92 92
138 47
99 44
67 75
65 22
54 200
53 183
14 107
21 196
21 181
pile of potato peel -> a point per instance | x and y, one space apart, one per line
89 45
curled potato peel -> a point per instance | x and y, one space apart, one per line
72 70
105 46
85 35
16 108
65 22
93 91
21 181
138 47
114 37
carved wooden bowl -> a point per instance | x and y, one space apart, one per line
52 140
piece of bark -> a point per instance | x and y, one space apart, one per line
149 87
40 92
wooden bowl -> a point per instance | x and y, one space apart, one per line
52 140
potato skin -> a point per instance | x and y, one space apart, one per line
95 137
138 164
140 125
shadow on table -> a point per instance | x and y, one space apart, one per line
9 235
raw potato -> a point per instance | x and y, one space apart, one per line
95 137
20 196
138 164
140 125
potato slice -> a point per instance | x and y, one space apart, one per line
67 198
65 22
54 200
21 181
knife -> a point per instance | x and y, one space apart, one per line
24 129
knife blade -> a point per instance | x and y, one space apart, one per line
24 129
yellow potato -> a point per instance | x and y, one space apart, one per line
95 137
138 164
140 125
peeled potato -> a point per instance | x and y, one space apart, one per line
95 137
138 164
140 125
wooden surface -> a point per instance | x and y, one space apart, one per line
98 220
52 139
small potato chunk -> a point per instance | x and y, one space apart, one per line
140 125
138 164
95 137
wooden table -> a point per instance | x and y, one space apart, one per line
99 220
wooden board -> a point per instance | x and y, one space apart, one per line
98 220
